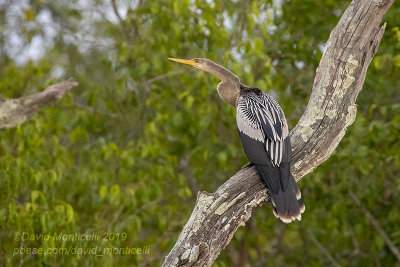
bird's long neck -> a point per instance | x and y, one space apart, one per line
229 88
223 74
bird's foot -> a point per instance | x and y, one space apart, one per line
248 165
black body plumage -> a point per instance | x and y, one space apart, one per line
264 134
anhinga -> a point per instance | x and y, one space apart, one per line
265 137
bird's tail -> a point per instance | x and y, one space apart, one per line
287 204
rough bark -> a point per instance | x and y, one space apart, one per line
331 109
15 111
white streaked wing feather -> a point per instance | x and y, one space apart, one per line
251 111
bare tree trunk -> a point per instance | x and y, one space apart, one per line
15 111
331 109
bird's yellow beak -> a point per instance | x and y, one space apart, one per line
184 61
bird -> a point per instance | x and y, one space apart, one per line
264 133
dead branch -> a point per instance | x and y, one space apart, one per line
339 78
378 228
15 111
324 250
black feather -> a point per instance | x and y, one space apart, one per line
255 150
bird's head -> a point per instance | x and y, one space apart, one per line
199 63
228 88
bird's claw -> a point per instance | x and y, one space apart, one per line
248 165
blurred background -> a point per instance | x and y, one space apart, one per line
128 150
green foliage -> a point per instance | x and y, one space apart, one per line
127 151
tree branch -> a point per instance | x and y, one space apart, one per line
15 111
377 226
331 109
324 250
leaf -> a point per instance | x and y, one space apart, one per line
30 15
103 191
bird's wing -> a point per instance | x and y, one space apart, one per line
260 118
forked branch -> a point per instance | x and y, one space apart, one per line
339 78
